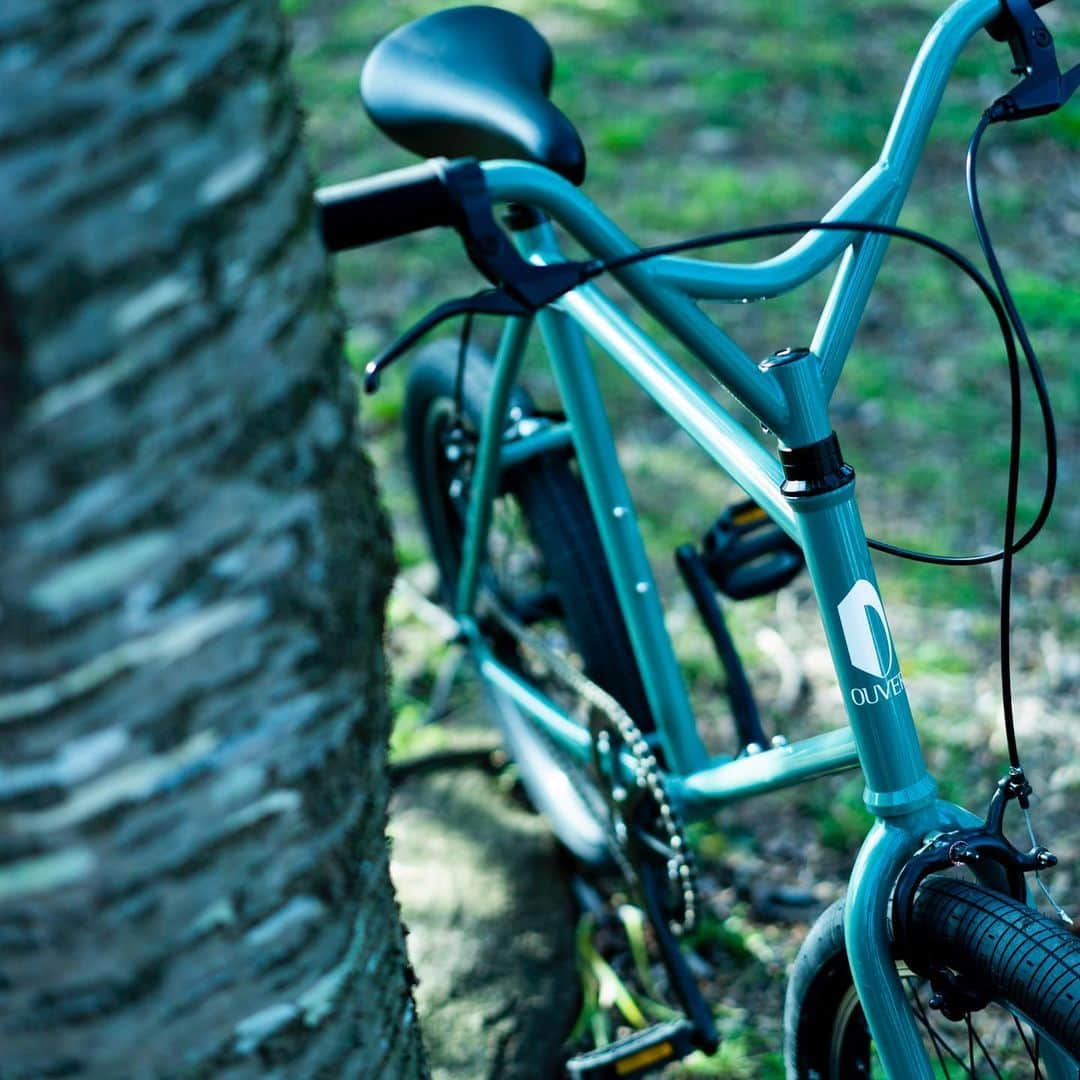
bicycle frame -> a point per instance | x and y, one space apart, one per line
790 396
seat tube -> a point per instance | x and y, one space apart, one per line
613 512
609 498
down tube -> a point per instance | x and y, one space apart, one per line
616 522
863 652
899 790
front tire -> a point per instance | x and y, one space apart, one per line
1029 963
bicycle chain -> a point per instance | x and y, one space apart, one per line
681 865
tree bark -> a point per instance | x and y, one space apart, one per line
193 720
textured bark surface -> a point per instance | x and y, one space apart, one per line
193 874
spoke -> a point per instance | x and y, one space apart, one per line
1033 1056
994 1050
986 1054
936 1039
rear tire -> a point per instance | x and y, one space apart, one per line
1029 963
559 550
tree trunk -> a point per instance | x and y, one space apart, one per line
193 871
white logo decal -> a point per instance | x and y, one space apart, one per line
866 632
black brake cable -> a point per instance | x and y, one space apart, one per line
1009 322
946 251
1008 319
464 341
1038 380
1015 435
1011 499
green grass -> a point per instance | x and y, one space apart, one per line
696 118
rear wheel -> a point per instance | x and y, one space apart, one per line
1029 963
545 564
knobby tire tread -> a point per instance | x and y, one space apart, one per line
1032 961
1021 956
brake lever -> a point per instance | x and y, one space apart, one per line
1043 88
521 287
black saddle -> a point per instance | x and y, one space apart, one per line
471 82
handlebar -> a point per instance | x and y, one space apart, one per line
451 193
386 205
435 193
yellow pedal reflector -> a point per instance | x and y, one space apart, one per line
751 513
649 1056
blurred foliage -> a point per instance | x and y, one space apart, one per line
697 119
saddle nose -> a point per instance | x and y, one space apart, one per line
471 81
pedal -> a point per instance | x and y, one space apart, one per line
702 587
747 554
635 1054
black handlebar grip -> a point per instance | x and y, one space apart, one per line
386 205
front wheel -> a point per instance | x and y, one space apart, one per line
1028 963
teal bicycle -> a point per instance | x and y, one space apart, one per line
935 963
